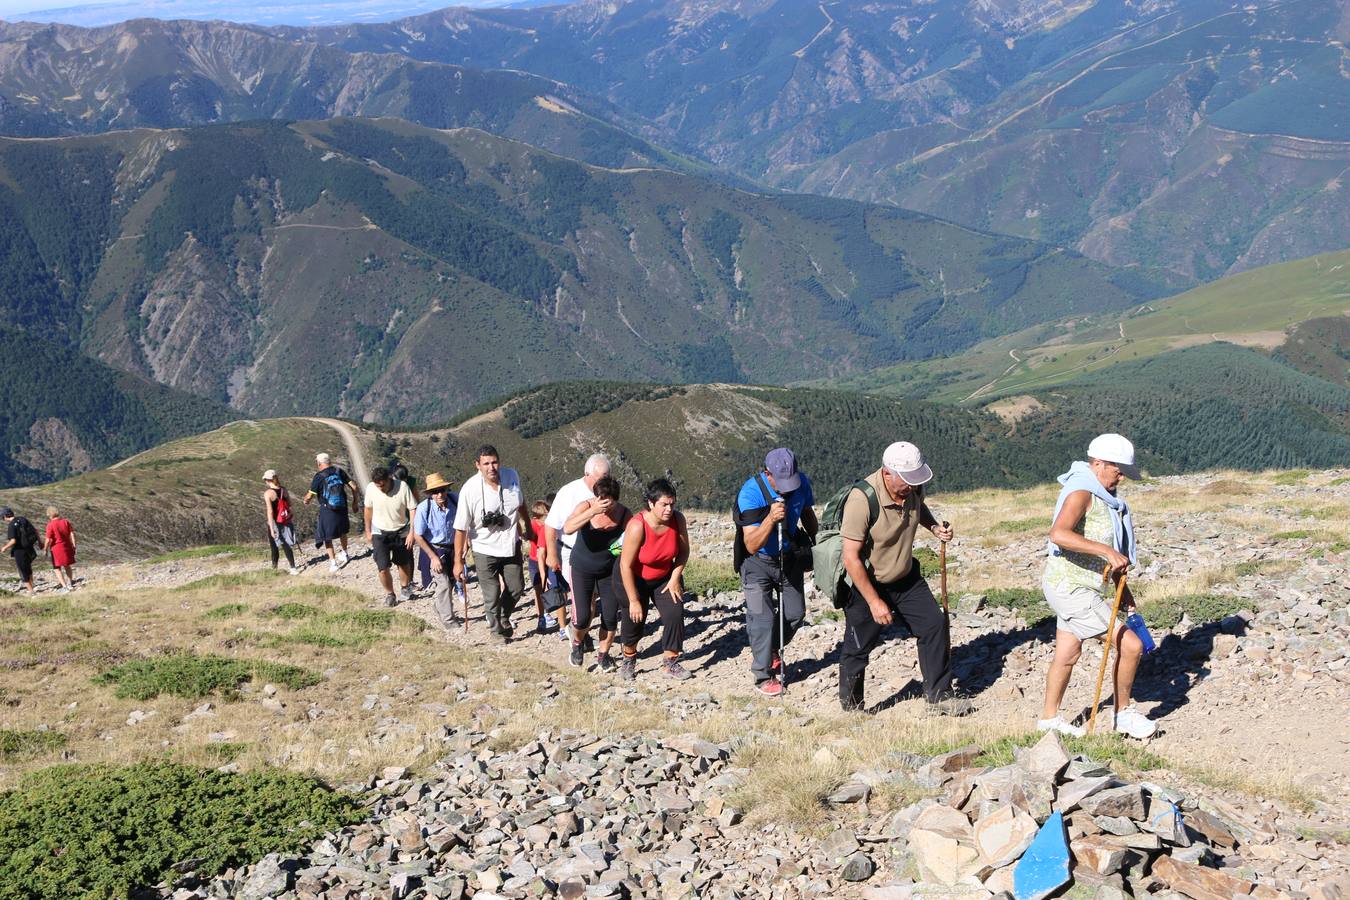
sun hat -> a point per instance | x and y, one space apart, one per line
1114 448
782 465
270 475
904 460
435 483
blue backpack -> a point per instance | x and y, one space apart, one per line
334 490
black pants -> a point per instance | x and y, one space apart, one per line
911 603
279 546
672 615
586 586
23 561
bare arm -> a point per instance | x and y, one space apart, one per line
632 543
756 536
681 558
367 520
459 555
1063 535
551 558
267 511
810 524
585 511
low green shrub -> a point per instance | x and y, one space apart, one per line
15 744
229 580
1201 608
202 553
1030 602
294 611
704 577
191 676
1298 534
1293 476
1020 526
106 831
226 611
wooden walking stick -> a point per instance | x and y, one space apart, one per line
942 564
1106 651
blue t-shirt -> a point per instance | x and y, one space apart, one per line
751 497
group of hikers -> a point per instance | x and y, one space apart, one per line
596 566
23 543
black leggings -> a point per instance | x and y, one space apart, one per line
283 548
672 615
586 585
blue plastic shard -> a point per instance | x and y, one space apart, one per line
1044 868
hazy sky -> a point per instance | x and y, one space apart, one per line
296 12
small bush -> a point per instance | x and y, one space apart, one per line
1201 608
1300 534
293 611
1030 602
105 831
226 611
704 577
191 676
19 744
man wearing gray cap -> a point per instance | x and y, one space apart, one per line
880 519
775 504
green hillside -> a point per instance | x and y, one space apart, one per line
241 262
1253 309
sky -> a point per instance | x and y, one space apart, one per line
270 12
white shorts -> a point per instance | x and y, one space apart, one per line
1081 611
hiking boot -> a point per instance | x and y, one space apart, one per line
771 687
1132 723
605 663
951 705
673 669
1059 724
628 668
577 656
407 593
390 600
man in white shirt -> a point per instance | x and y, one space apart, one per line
389 508
559 559
491 519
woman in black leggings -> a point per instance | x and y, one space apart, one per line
655 550
598 524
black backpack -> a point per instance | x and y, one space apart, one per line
25 534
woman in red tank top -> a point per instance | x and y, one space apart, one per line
655 550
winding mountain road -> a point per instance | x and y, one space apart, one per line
351 444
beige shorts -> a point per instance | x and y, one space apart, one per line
1081 611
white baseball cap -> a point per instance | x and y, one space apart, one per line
1114 448
270 475
904 460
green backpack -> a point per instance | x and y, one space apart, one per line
828 553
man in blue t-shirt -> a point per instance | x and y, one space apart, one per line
777 499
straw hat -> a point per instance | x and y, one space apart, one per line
436 483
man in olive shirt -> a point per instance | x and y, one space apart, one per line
886 581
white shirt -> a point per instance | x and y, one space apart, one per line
389 513
564 504
477 497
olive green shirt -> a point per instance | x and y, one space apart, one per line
892 552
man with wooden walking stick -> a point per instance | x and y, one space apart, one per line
1091 525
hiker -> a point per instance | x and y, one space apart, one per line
277 514
777 500
489 519
60 540
598 526
569 497
1092 529
880 519
434 531
400 473
388 517
655 551
331 484
538 563
22 543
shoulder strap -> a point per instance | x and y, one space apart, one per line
873 504
764 489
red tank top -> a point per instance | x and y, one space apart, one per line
656 556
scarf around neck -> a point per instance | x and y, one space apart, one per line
1080 478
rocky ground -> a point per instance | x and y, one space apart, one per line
1251 712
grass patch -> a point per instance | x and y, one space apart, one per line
349 629
231 550
1029 602
1299 534
1020 526
1293 476
323 592
224 752
229 580
1337 482
104 831
191 676
18 744
703 577
1201 608
1271 786
225 611
294 611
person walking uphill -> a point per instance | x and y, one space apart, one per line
569 497
277 514
655 551
777 501
60 540
389 511
22 542
880 520
330 485
434 531
1092 530
491 518
598 525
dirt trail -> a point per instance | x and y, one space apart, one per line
352 444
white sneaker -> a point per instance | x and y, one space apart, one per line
294 571
1059 724
1132 723
333 565
342 558
406 593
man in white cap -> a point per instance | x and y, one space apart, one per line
1092 529
558 544
879 522
330 485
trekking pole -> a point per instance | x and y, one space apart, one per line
782 614
942 564
1106 651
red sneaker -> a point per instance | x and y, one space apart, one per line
771 688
